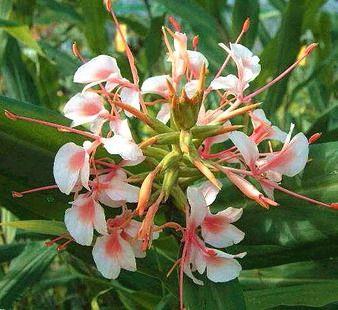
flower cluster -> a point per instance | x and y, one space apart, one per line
178 154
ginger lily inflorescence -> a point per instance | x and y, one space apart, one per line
178 159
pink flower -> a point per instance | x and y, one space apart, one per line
85 215
83 108
120 247
112 253
216 229
114 191
263 129
183 59
102 69
221 267
289 161
71 166
248 68
122 143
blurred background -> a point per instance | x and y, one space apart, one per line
37 67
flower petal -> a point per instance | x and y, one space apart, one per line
196 60
209 191
122 191
106 262
218 232
222 268
247 147
198 206
127 149
96 69
191 88
291 159
121 128
79 220
69 160
83 108
164 114
131 97
156 85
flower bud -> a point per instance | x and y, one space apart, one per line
185 141
145 191
169 180
170 160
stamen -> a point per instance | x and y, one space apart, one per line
308 50
195 42
64 245
15 117
76 52
286 191
51 242
33 190
174 23
245 28
173 267
315 137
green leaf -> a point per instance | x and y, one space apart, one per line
314 295
25 271
213 295
39 226
280 53
66 64
93 25
322 122
9 251
21 33
60 10
153 42
243 9
278 4
18 81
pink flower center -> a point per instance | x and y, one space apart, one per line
87 211
215 224
113 246
76 161
89 109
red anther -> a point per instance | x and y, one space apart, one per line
195 41
51 242
246 25
310 48
174 23
315 137
75 50
334 205
16 195
63 245
108 5
10 115
211 252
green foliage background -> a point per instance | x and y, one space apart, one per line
292 250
